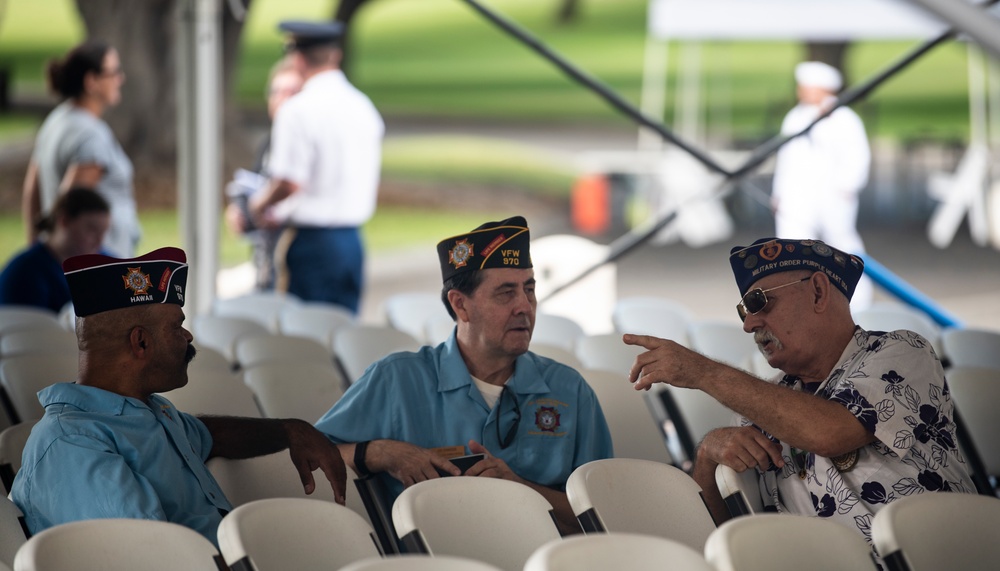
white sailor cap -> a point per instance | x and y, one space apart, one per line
818 74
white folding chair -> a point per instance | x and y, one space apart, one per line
419 562
45 340
661 317
556 330
221 333
14 317
635 432
216 393
209 360
557 354
976 393
438 329
492 520
941 530
359 346
639 496
971 347
12 441
784 542
410 311
723 341
603 551
117 545
22 376
67 317
295 389
694 413
273 476
760 367
315 320
12 531
607 352
253 350
287 534
261 307
890 316
740 490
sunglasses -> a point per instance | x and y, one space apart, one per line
755 300
509 438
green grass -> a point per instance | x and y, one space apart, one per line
392 228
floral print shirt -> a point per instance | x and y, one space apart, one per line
894 384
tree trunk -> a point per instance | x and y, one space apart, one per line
568 12
345 13
145 33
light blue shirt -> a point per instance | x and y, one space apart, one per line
97 454
428 399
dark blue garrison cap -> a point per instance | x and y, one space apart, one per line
101 283
309 34
774 255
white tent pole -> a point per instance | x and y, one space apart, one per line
687 114
654 90
199 145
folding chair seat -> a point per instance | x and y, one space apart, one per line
784 542
288 534
492 520
740 490
295 389
603 551
261 307
22 376
409 312
12 441
117 545
664 318
359 346
253 350
316 320
639 496
635 432
941 530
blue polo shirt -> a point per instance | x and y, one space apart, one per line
428 399
97 454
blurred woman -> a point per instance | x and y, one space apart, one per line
76 148
77 225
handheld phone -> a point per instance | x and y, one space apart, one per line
463 462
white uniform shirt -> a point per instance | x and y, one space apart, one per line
829 163
327 139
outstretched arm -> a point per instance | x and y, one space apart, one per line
309 449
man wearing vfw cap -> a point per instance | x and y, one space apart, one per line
109 445
326 153
858 418
479 392
818 176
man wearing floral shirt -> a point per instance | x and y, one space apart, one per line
858 419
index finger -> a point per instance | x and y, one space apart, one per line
336 474
645 341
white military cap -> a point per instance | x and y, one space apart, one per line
818 74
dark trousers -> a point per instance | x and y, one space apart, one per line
326 264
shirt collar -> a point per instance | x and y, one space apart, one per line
92 399
332 76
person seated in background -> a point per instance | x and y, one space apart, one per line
109 445
481 391
76 226
857 420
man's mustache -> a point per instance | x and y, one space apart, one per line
191 352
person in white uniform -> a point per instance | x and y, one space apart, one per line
326 153
818 176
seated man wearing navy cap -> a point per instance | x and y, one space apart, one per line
109 446
858 419
326 155
533 419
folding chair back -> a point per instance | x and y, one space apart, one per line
740 491
492 520
23 376
941 530
288 534
45 340
410 312
556 330
221 332
419 562
557 353
976 393
12 441
261 307
723 341
606 352
603 551
316 320
639 496
20 317
971 348
295 390
661 317
784 542
254 350
634 430
213 392
13 533
117 545
359 346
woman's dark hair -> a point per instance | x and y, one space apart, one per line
465 282
66 75
72 204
